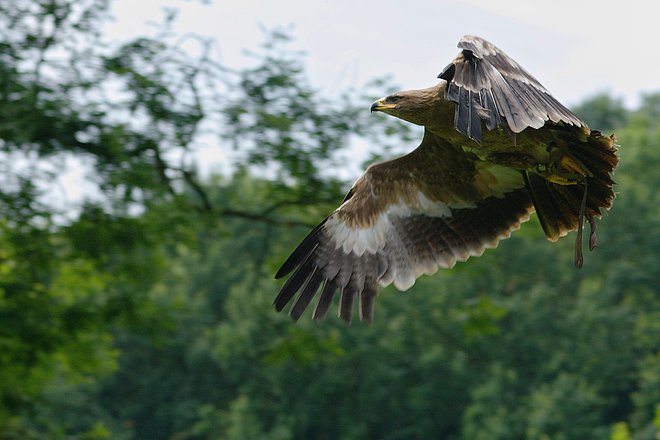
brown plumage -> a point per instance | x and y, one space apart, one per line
461 191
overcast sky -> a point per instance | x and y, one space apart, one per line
575 48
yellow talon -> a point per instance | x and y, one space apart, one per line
571 164
561 180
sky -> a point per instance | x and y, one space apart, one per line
575 48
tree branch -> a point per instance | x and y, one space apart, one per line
282 203
161 168
207 206
265 218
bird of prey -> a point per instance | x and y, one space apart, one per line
497 147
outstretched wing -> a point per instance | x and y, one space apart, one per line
404 218
488 85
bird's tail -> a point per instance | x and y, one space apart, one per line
558 205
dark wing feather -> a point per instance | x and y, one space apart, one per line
406 217
308 292
433 242
488 85
325 299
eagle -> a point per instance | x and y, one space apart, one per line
497 147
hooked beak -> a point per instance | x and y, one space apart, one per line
380 105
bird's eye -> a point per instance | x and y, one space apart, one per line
393 98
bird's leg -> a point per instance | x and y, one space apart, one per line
579 258
593 240
566 169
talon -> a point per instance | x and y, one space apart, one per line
561 157
561 180
573 165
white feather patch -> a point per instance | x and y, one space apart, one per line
357 240
372 239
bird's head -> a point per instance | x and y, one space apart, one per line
415 106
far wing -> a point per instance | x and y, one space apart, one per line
402 219
488 85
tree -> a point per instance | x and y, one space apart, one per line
603 112
79 282
145 312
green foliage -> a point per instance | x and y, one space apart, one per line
145 312
603 112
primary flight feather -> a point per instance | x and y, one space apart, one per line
461 191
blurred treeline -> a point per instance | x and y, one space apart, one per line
145 311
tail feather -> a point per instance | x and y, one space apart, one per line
546 208
558 206
599 155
